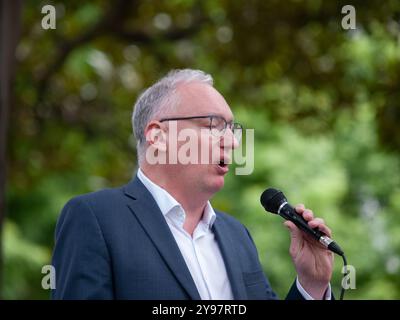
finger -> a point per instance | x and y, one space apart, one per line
321 226
295 232
325 230
308 215
290 225
299 208
315 222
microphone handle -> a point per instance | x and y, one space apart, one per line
288 212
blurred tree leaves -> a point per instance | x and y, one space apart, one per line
324 103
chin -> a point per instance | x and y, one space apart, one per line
217 184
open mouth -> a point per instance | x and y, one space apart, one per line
222 164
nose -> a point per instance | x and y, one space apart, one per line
228 139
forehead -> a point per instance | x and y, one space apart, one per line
202 99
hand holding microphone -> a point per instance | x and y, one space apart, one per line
310 239
275 201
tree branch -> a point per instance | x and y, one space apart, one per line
118 12
109 24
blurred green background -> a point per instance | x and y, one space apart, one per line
324 103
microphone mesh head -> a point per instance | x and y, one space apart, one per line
271 199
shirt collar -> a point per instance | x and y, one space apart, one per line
166 202
209 215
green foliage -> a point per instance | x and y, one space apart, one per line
323 103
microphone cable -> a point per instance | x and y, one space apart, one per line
344 276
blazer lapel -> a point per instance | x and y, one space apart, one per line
231 258
150 217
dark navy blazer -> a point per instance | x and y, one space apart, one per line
116 244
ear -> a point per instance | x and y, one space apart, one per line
156 136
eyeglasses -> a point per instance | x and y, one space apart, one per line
217 125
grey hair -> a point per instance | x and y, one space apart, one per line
159 98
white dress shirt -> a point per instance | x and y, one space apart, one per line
200 252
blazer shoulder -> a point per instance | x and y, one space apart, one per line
103 194
101 198
92 203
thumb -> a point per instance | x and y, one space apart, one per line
296 237
294 231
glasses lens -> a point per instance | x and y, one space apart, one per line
218 126
237 131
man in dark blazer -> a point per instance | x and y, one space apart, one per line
158 237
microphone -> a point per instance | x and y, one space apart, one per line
275 201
